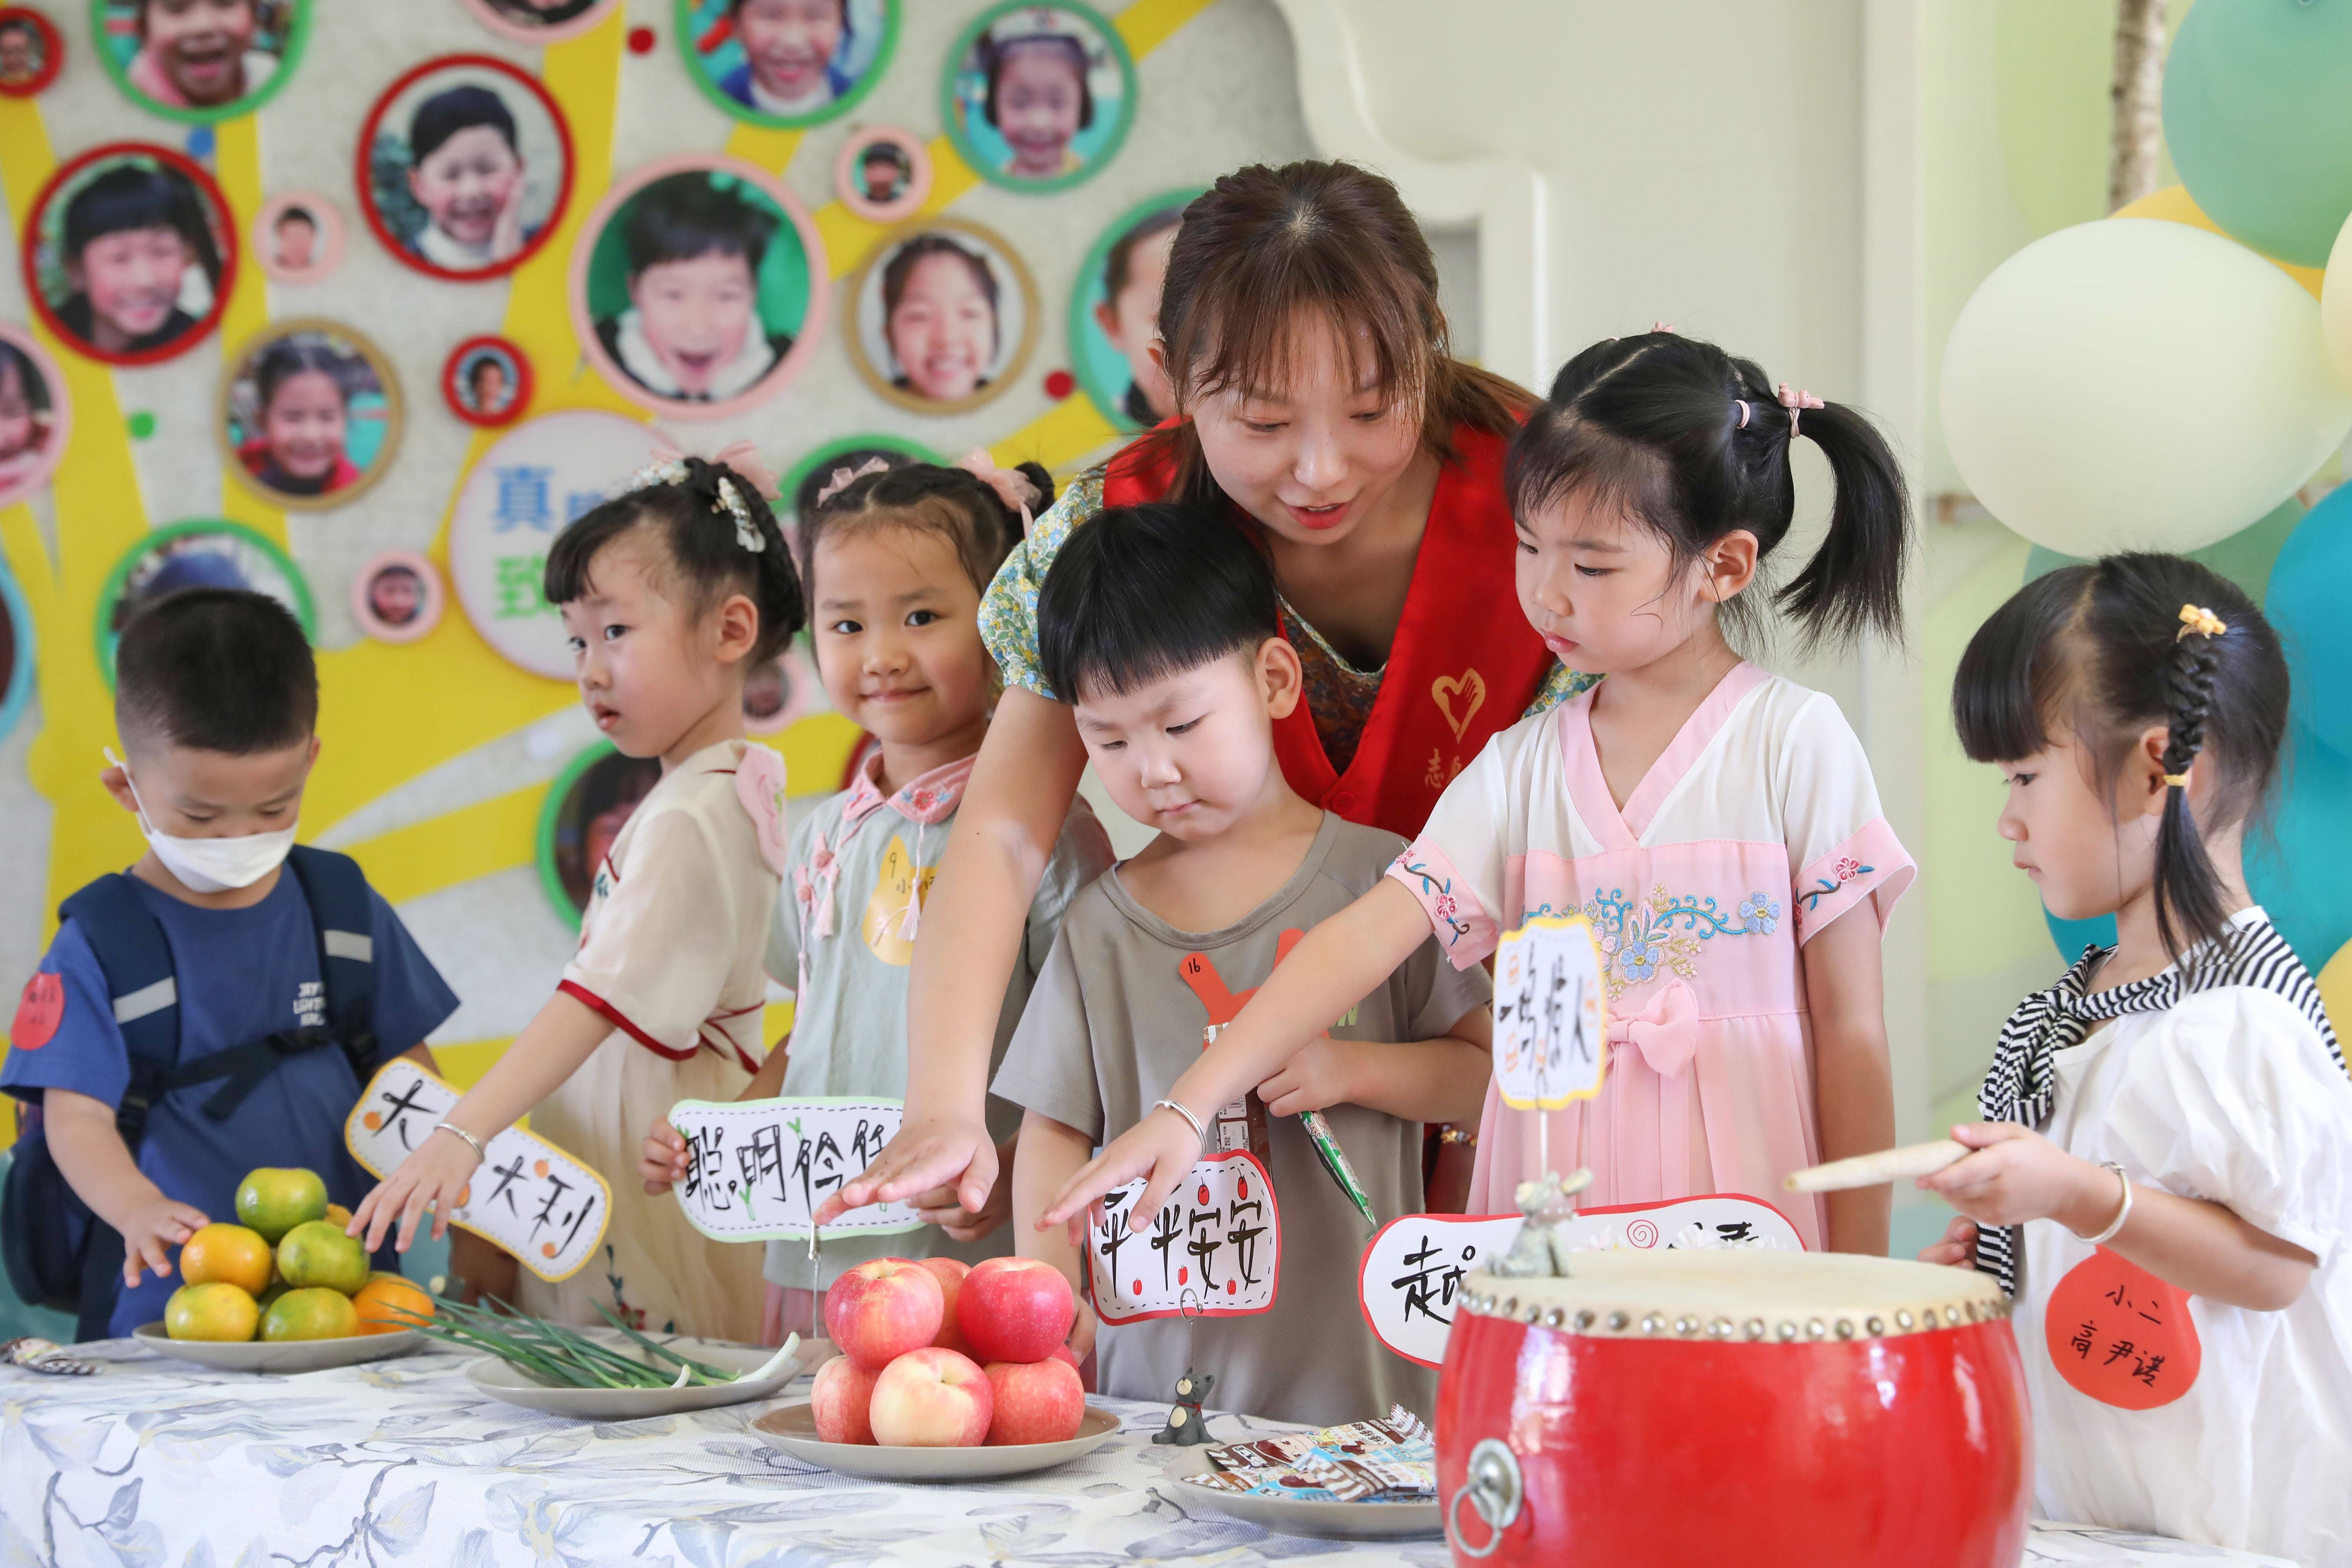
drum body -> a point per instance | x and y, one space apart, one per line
1735 1410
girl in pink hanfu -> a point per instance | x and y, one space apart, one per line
1713 822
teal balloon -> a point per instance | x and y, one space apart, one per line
2245 558
2309 607
2299 863
2258 118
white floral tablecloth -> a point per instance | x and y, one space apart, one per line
158 1464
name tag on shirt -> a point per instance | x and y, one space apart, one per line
529 1198
1550 1018
1213 1250
757 1169
1412 1270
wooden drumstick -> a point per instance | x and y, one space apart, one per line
1875 1169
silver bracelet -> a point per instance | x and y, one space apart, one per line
2122 1214
480 1152
1199 1131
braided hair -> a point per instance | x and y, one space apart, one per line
932 498
2111 649
699 536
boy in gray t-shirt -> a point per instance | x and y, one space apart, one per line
1160 625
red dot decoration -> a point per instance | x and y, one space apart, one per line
1230 1289
1203 1191
642 40
1060 383
1139 1289
1182 1275
1241 1188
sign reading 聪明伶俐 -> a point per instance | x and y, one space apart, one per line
1412 1270
1213 1250
757 1169
529 1197
1550 1021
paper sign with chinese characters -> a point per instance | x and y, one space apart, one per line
1413 1271
1550 1022
2121 1335
529 1197
1213 1250
756 1168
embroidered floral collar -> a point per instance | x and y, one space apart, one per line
930 799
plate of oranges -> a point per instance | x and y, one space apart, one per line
284 1289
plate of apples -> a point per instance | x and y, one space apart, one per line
946 1373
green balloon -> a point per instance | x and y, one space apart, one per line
2245 558
2258 118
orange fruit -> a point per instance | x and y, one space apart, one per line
316 1313
217 1310
388 1304
338 1215
230 1253
317 1253
274 1201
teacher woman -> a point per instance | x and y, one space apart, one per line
1316 396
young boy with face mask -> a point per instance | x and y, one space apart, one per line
216 699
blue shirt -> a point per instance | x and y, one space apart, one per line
242 974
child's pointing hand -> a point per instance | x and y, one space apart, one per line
1162 1146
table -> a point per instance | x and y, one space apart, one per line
158 1464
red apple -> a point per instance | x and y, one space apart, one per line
931 1398
881 1309
1065 1353
951 1272
1036 1402
1015 1309
842 1402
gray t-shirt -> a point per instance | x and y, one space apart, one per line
849 1018
1111 1025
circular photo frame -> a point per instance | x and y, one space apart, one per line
397 597
1038 97
103 231
585 809
16 645
31 54
310 413
782 692
298 237
211 552
700 287
541 21
787 64
201 63
941 316
814 471
883 174
35 414
1115 313
493 179
486 382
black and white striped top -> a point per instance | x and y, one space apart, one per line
2023 1079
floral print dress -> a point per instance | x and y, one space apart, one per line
1757 827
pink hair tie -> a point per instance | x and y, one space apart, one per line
1012 488
1743 413
1662 326
843 477
1796 403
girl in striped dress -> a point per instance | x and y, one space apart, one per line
2164 1174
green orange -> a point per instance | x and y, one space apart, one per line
273 1201
317 1253
216 1311
315 1313
231 1254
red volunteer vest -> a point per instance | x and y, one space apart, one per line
1465 663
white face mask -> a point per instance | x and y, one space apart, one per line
210 865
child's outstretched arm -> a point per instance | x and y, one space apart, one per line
661 1160
1440 1080
551 1050
1047 1153
2202 1248
1333 967
99 1166
1854 1083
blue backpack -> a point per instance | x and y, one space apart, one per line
59 1254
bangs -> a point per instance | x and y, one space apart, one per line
1557 458
2011 682
1251 343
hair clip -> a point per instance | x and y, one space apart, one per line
2176 781
669 469
1743 413
730 500
2197 619
661 471
844 476
1796 403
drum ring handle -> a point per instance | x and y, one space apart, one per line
1495 1491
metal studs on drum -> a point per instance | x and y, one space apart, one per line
1903 1320
1584 1319
1652 1324
1788 1330
1720 1329
1846 1328
1753 1328
1617 1322
1875 1326
1815 1329
1554 1318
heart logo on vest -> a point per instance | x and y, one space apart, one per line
1470 687
39 1013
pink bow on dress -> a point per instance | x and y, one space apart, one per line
1665 1030
760 786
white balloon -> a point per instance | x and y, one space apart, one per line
2132 383
2336 303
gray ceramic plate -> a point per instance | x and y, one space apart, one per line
1301 1516
501 1381
793 1429
284 1356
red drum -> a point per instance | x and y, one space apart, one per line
1735 1408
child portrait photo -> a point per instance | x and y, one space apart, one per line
1114 314
298 237
30 51
132 252
1039 97
945 315
203 553
786 63
541 21
397 597
34 421
883 174
310 413
201 61
468 167
486 382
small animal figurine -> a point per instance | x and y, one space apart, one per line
1540 1250
1186 1426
